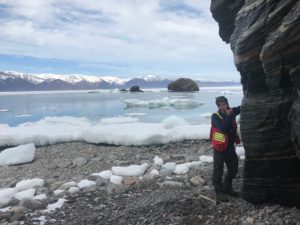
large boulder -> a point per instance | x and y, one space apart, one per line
135 89
183 85
265 39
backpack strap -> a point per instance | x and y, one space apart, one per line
218 114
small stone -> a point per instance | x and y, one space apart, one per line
130 181
115 189
249 220
173 184
63 164
197 181
80 161
18 210
5 215
17 217
30 203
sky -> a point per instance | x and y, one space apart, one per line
122 38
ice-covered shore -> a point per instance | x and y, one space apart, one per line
161 184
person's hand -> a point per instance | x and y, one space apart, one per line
229 112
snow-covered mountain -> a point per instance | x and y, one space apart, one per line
14 81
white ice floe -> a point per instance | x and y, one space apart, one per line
132 170
86 183
106 174
29 183
118 120
158 103
29 193
4 110
54 206
135 114
158 161
206 158
51 130
224 90
174 121
6 195
17 155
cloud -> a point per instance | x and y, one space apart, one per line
152 33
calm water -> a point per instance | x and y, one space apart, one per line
19 108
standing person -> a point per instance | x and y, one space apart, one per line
223 137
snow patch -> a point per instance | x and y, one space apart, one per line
206 159
158 161
116 179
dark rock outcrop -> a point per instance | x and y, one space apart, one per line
135 89
183 85
265 39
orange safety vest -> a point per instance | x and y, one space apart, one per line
219 139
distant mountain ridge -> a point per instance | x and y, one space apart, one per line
14 81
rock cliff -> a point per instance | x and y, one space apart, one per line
264 36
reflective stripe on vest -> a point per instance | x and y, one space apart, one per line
219 137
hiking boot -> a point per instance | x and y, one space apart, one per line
232 193
220 197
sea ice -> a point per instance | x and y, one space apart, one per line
106 174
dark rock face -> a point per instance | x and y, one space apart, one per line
182 85
135 89
265 39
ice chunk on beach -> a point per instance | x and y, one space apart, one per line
206 158
158 161
132 170
40 197
170 166
116 179
6 195
174 121
240 151
86 184
66 129
73 190
17 155
29 183
54 206
106 174
29 193
181 168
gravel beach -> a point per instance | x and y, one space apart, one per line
167 198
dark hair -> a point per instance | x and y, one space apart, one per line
221 99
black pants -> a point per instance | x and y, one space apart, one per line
231 160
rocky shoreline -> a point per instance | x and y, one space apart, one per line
167 198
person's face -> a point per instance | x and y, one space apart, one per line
223 106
